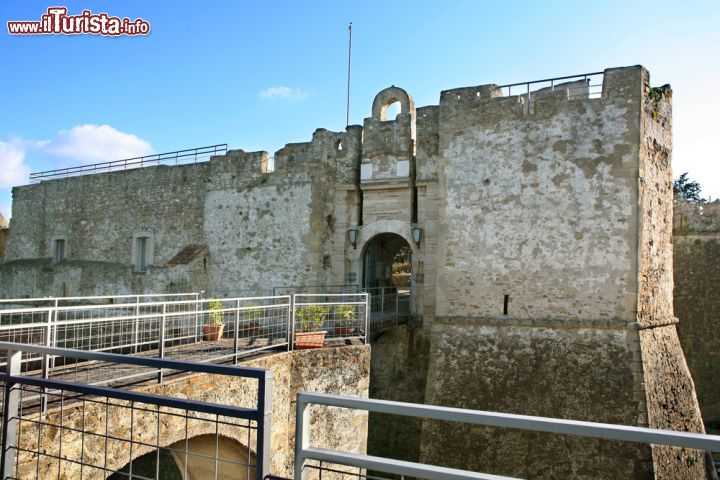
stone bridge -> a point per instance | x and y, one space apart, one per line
73 437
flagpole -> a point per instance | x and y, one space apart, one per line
347 114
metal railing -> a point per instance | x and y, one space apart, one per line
291 290
187 329
341 316
388 305
355 465
94 299
97 431
192 155
582 86
216 330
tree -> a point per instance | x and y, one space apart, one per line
687 189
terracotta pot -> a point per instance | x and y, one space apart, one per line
212 333
344 331
309 339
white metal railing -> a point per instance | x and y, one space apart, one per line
57 301
354 465
192 155
196 329
340 315
582 86
388 305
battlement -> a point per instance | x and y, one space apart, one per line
410 142
696 218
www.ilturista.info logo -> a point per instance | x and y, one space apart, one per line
57 22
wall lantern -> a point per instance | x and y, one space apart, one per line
416 234
352 236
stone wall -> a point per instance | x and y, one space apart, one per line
696 274
555 369
555 279
3 235
398 368
669 389
261 229
342 371
543 202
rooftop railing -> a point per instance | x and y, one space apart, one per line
319 461
192 155
582 85
577 87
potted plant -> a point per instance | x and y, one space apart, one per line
308 320
346 321
214 330
250 326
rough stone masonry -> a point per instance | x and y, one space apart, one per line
542 281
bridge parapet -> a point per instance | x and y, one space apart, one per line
140 428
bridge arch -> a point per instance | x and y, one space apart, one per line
194 459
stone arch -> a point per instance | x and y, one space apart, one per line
391 95
367 232
383 248
371 231
234 460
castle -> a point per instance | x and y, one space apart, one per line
540 231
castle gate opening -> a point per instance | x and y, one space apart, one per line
387 276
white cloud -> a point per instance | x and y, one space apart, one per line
82 144
284 93
93 143
13 169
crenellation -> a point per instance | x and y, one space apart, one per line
428 133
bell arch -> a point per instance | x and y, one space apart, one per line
389 96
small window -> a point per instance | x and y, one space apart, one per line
142 254
142 251
59 250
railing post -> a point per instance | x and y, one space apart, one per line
302 437
161 341
291 319
264 425
236 336
11 412
54 329
45 367
136 325
197 307
367 316
382 303
528 98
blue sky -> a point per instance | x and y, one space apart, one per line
259 74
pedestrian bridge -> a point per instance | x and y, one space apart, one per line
141 330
